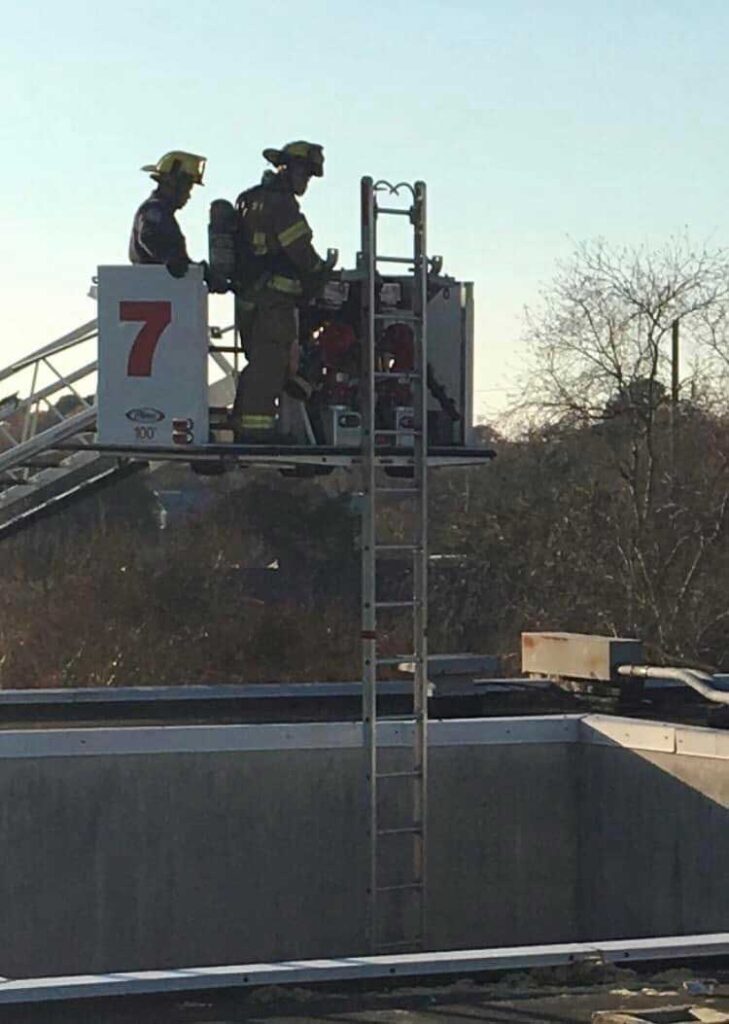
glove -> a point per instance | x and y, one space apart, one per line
216 282
313 284
177 266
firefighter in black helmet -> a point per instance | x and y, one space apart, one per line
156 236
278 268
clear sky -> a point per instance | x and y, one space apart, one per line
535 124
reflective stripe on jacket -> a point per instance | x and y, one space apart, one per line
278 237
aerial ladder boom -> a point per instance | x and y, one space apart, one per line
47 403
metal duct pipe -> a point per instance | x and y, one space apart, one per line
702 682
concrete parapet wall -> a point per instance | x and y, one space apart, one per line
139 848
654 829
134 848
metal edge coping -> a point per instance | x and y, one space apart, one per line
192 693
183 692
597 730
654 736
328 971
449 666
207 739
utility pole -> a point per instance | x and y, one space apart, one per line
674 395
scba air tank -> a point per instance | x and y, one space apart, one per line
221 244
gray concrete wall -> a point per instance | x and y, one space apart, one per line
143 848
654 830
125 849
503 851
127 862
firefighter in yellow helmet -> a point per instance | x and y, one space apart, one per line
156 236
277 268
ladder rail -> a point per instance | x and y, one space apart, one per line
369 611
20 412
35 423
51 389
414 829
86 332
47 439
31 410
420 562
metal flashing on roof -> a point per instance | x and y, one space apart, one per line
601 730
528 729
696 742
302 972
192 693
658 737
635 734
207 739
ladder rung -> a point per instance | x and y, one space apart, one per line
397 604
408 719
397 317
397 490
398 659
399 775
395 259
392 210
398 547
411 830
405 887
413 431
397 375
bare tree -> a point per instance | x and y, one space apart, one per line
599 372
602 332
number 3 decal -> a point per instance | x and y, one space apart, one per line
155 317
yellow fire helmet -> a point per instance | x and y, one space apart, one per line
310 152
178 162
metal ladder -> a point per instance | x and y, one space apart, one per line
396 790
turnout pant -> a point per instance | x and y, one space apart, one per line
268 336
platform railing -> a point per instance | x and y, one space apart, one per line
48 398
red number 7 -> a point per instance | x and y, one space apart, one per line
156 316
